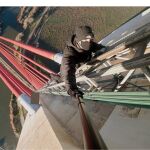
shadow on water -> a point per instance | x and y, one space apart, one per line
8 17
2 141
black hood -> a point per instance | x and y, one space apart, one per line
72 43
82 32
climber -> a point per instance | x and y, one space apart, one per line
78 50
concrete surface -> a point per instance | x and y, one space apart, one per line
124 132
127 29
41 131
65 110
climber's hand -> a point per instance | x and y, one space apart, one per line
76 93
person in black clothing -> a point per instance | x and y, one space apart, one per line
78 50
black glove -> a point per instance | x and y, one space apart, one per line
75 93
101 51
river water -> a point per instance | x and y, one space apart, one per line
7 139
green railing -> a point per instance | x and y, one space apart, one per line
140 99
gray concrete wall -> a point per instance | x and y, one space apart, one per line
41 131
65 110
127 130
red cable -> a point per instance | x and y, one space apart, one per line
38 51
15 81
35 63
21 69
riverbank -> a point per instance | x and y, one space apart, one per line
11 28
7 137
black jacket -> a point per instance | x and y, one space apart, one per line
73 56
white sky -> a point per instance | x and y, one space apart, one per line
74 2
